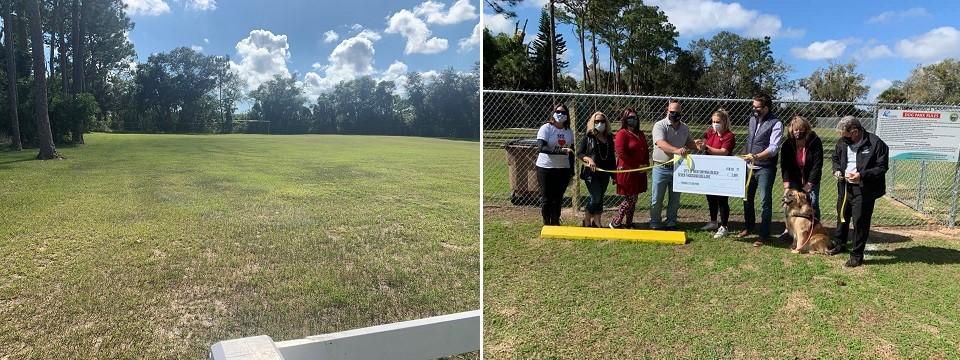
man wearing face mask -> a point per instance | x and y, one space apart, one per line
761 147
670 137
860 166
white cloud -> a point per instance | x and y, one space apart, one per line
429 76
820 50
197 48
695 17
416 32
262 55
356 27
890 16
206 41
146 7
460 11
498 24
935 45
468 43
330 36
798 93
874 52
877 87
202 5
397 72
351 59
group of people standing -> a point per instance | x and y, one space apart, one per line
859 164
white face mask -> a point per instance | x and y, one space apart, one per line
717 126
560 117
600 127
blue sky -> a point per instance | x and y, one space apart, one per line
323 42
887 39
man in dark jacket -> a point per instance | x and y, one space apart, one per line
860 166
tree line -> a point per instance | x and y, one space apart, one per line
644 58
68 68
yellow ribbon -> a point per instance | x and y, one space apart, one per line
746 185
686 158
843 205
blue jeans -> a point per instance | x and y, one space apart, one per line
596 185
815 199
763 179
662 185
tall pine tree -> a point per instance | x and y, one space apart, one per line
539 55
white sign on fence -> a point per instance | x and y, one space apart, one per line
711 175
920 135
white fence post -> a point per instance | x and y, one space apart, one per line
428 338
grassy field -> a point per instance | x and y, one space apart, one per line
890 212
157 246
710 299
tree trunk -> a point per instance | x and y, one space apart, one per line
79 22
553 52
593 38
583 55
64 69
11 76
53 35
47 149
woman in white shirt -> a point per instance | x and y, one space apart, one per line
554 163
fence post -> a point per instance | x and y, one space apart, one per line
953 205
576 167
920 182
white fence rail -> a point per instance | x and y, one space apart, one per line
428 338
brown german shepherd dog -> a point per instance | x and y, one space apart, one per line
807 232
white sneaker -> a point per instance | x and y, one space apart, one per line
710 226
721 232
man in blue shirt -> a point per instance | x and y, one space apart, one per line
760 151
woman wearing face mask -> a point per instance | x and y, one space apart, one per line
719 141
553 163
596 151
801 161
632 152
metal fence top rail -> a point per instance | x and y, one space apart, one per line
691 98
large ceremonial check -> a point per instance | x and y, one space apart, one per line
711 175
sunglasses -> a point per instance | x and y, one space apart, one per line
560 112
600 120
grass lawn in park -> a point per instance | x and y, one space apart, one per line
714 298
157 246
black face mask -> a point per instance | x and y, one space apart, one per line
848 140
674 116
756 113
632 121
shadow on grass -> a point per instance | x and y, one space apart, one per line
17 160
917 254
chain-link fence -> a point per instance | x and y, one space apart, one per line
919 193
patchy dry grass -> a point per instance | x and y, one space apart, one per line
546 299
157 246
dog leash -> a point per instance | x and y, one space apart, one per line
843 205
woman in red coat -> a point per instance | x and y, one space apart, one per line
632 152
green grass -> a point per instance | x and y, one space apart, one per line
890 212
157 246
709 299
